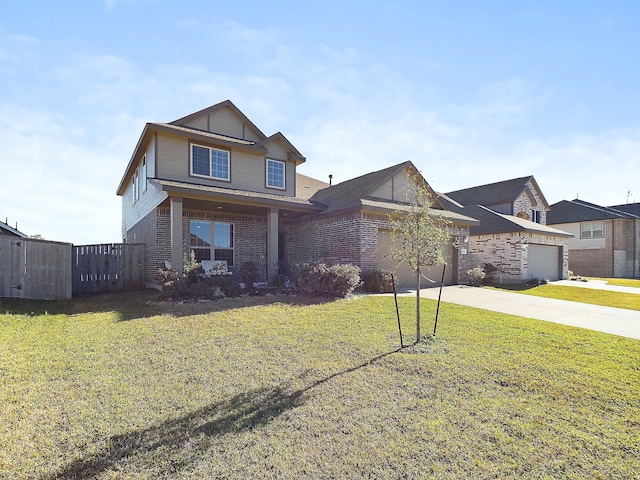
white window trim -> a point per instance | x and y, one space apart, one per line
591 230
191 172
284 174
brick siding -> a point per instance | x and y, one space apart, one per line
506 252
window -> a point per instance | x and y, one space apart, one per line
209 162
136 186
211 241
535 216
592 230
275 174
144 174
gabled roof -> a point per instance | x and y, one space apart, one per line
496 193
294 154
356 194
6 229
178 127
632 208
350 192
572 211
494 222
219 106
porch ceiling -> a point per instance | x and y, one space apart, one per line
222 207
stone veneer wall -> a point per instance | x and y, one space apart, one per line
507 253
524 204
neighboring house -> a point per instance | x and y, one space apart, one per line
606 240
10 231
214 184
512 235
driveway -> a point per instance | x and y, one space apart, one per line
617 321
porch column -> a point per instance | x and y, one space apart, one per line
176 233
272 242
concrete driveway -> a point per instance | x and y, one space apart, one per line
616 321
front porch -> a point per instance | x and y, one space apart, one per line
229 227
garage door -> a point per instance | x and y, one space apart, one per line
405 277
544 262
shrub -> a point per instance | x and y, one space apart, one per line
476 275
376 281
226 283
336 281
181 289
192 268
249 274
194 284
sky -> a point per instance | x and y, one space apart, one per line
471 92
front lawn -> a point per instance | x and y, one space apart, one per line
113 387
623 282
606 298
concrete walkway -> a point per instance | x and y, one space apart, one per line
616 321
597 285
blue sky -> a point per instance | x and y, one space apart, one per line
471 92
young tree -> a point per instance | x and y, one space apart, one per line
418 236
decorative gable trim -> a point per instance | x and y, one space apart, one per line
212 109
292 152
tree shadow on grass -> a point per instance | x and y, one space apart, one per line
240 413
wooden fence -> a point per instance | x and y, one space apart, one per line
38 269
34 269
107 267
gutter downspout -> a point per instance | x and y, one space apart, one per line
613 249
636 264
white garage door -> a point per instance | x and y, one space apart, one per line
405 277
544 262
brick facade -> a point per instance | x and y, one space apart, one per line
616 258
353 238
508 253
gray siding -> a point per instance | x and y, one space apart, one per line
149 199
225 122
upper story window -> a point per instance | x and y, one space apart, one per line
209 162
592 230
535 216
135 187
143 173
275 174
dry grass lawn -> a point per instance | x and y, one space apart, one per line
110 387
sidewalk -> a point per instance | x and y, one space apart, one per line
616 321
597 285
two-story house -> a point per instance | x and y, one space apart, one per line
512 235
606 240
212 183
